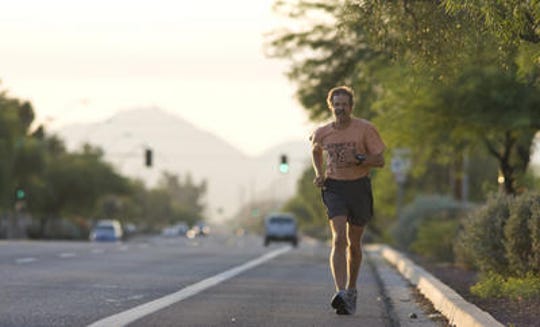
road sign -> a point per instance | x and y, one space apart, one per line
400 164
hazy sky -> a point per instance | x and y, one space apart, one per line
81 61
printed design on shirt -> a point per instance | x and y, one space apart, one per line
341 155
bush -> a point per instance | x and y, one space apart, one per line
481 241
423 209
435 239
518 243
534 227
503 236
524 287
494 285
489 286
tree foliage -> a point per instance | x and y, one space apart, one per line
490 105
79 185
323 55
455 81
21 157
185 197
427 72
511 20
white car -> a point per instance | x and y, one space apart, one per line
280 227
107 230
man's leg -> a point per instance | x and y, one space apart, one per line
354 259
338 254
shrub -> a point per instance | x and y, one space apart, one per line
517 236
493 285
503 236
481 240
435 239
489 286
423 209
534 227
522 287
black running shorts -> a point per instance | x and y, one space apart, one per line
352 199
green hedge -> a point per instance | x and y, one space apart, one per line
503 236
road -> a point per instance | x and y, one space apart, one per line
220 280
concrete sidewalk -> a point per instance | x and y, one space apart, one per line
458 311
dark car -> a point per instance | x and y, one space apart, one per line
280 227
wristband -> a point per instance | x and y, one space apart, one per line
360 158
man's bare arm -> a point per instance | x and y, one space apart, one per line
317 161
374 160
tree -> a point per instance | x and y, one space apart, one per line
72 184
172 201
516 26
491 105
80 185
411 53
21 154
510 20
312 52
186 197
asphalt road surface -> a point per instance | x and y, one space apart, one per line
219 280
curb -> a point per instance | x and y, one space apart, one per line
458 311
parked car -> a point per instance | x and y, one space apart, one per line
107 231
280 227
179 229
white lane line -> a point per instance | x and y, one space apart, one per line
25 260
105 286
66 255
129 316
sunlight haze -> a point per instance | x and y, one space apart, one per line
202 61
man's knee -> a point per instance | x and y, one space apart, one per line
355 249
339 242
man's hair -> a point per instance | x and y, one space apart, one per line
340 90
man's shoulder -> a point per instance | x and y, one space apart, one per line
321 131
362 122
323 128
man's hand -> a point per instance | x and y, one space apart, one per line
360 158
319 181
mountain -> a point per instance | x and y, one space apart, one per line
233 178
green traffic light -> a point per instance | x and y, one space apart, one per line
284 164
20 194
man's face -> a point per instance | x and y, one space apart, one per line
341 106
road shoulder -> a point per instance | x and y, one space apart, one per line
400 299
458 311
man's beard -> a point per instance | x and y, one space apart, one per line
341 115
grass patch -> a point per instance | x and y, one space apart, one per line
516 288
